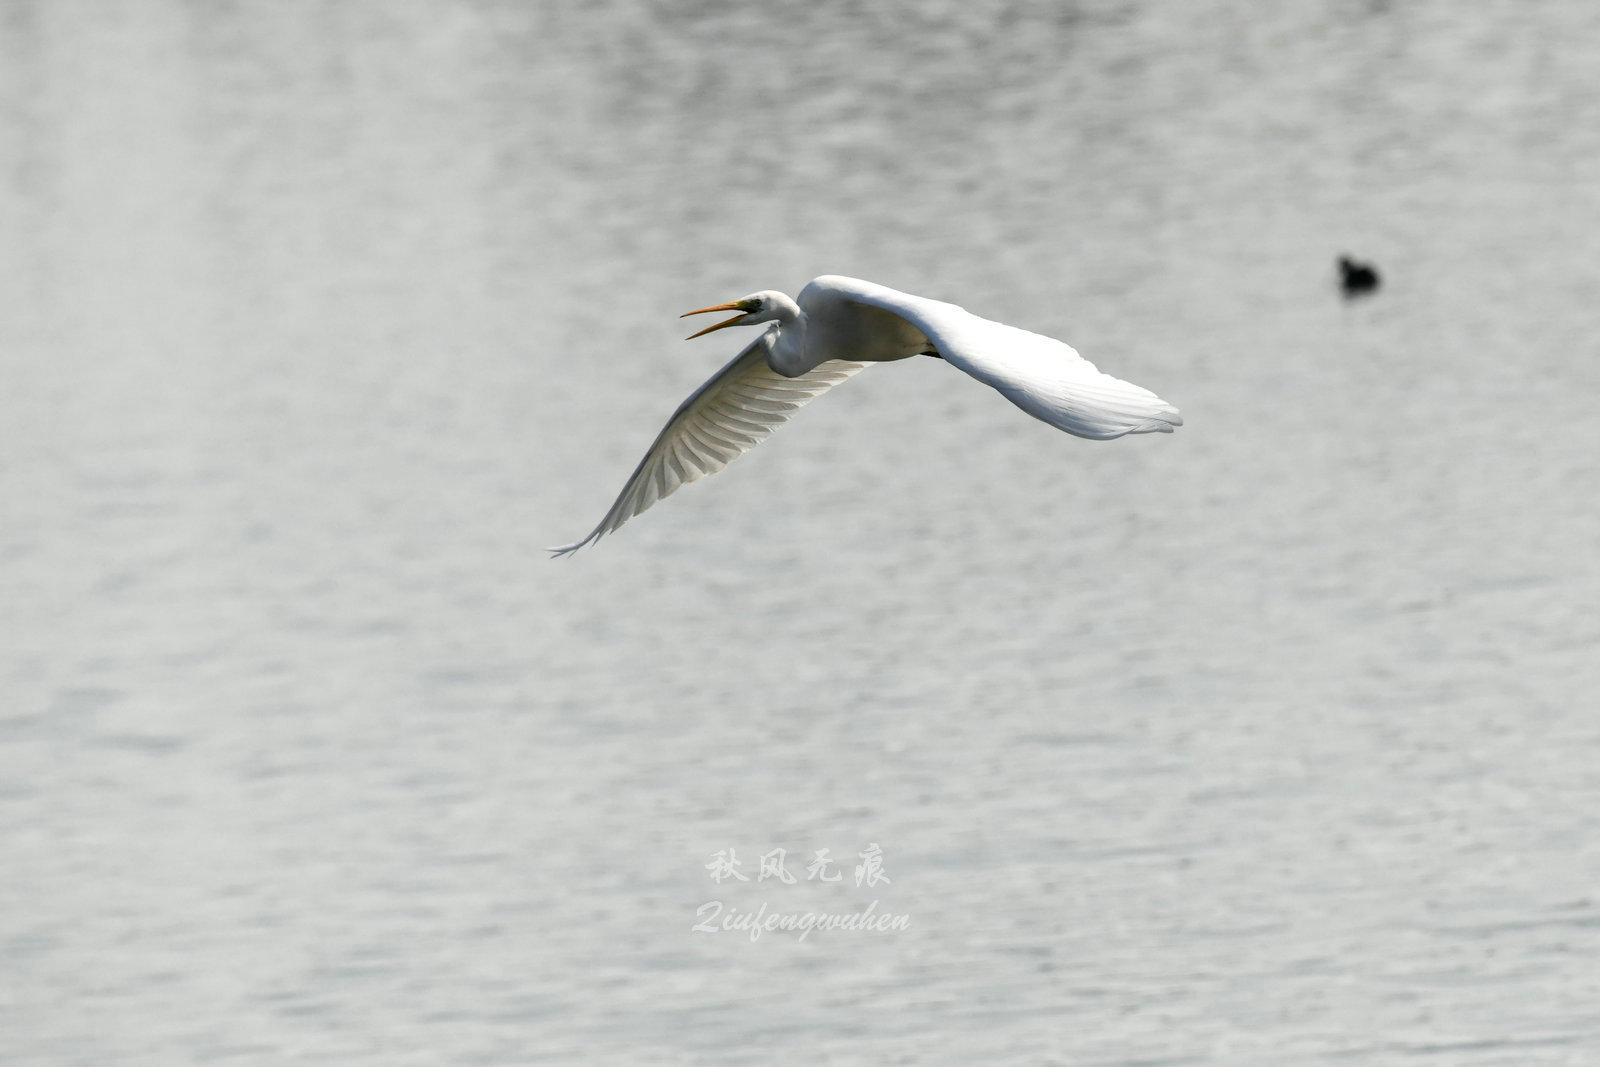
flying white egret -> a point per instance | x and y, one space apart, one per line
839 326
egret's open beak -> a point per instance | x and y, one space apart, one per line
735 306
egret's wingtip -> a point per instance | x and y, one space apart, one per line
1164 422
1167 421
567 550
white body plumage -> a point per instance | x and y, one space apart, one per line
836 328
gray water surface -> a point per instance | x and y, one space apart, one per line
1270 742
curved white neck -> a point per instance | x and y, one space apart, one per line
781 309
788 356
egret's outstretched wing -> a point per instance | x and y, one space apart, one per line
1042 376
726 417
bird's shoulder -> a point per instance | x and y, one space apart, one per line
827 288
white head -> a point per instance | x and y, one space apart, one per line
765 306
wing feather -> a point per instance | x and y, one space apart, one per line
1044 377
736 410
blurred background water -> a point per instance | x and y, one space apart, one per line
1273 741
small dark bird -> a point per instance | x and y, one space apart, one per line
1357 279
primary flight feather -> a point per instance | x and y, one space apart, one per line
834 330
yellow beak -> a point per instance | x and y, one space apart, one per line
735 306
